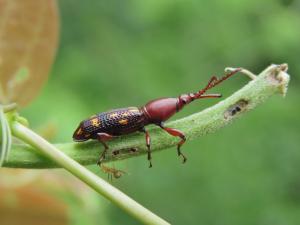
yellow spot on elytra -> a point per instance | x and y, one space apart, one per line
79 131
125 114
123 122
95 122
113 115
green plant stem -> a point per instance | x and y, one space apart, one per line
95 182
271 81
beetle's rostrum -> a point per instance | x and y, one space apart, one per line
108 125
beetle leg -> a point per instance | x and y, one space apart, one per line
176 133
103 137
148 141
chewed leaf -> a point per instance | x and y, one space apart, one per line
28 42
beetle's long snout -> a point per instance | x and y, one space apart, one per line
209 96
187 98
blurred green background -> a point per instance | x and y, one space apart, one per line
123 53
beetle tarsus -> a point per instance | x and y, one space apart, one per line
183 158
178 149
150 164
149 156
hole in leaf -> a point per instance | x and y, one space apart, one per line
236 108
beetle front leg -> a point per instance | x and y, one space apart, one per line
176 133
103 137
148 142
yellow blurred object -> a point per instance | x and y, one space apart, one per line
24 200
29 37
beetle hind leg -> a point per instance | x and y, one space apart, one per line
176 133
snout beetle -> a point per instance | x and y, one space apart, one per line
107 125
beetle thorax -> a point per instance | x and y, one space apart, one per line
160 110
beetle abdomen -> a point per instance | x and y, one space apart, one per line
115 122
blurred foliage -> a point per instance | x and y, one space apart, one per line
28 36
44 197
123 53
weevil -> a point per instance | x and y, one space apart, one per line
108 125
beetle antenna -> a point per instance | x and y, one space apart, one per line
214 81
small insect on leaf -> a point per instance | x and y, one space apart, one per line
112 172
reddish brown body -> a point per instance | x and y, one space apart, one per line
108 125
